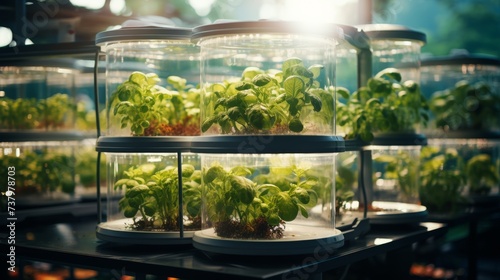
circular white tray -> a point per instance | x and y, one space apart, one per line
118 232
394 213
297 240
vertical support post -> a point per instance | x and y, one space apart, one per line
366 176
181 214
19 35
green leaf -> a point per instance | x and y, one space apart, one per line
130 212
213 173
316 70
208 123
243 187
177 82
343 92
293 85
379 85
303 211
217 88
153 79
302 195
291 62
187 170
243 85
193 207
287 208
316 102
390 73
295 125
250 72
261 80
260 117
138 78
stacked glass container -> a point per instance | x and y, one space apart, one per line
151 112
268 141
464 97
383 118
37 127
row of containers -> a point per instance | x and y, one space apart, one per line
261 137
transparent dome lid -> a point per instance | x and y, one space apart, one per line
43 172
459 172
395 46
152 198
472 81
267 77
152 73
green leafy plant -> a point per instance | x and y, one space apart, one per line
344 187
149 109
442 179
53 112
58 111
449 179
387 104
151 197
482 175
240 207
466 106
42 172
271 101
401 167
21 113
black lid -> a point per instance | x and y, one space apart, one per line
46 51
399 139
355 36
143 33
459 57
465 134
268 144
355 144
143 144
392 31
41 136
265 26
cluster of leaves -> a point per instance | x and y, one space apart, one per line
86 164
269 101
53 112
344 185
385 105
482 174
402 167
232 199
40 171
149 109
442 179
152 196
85 118
445 174
466 106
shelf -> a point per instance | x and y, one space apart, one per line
76 244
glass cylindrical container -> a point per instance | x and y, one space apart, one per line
153 191
391 166
460 170
267 77
395 46
389 99
37 95
86 84
152 76
39 168
350 190
463 91
273 202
